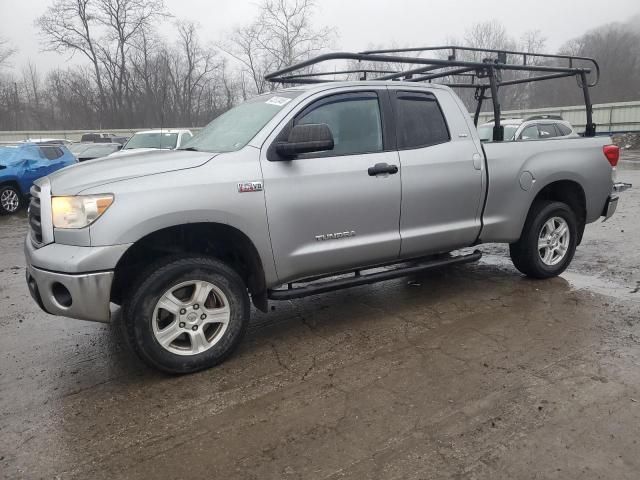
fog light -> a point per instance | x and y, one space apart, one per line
61 294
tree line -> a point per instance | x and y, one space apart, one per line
131 76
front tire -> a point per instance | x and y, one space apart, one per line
548 241
186 315
10 200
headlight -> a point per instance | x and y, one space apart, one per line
79 211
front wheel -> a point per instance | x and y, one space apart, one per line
187 315
10 200
548 241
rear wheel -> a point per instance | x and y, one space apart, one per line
10 200
548 240
187 315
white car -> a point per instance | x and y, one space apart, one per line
49 141
150 140
539 127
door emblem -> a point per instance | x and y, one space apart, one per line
335 236
244 187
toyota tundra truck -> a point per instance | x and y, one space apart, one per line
298 192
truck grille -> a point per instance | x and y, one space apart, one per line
35 219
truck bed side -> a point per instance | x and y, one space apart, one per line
518 171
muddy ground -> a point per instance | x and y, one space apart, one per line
470 372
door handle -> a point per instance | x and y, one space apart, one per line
380 168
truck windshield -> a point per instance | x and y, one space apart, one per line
234 129
152 140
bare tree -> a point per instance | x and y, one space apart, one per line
289 35
281 35
6 51
68 26
246 47
192 67
32 89
103 31
123 22
491 34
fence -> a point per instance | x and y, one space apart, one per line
73 135
609 117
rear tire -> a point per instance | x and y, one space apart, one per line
186 314
548 241
10 200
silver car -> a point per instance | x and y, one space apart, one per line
539 127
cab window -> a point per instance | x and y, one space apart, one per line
420 122
354 120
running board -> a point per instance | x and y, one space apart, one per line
358 279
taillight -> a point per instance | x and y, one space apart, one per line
612 152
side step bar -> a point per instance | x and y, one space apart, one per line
357 279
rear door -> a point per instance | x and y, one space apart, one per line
326 211
442 173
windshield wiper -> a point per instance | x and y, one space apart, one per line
190 149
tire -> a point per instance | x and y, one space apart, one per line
168 302
10 200
542 234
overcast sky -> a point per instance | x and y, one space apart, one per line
359 23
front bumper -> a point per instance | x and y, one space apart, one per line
83 296
72 281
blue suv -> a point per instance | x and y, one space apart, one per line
23 163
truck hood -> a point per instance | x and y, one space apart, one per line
76 178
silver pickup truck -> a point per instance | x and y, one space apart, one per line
284 195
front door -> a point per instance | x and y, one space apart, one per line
327 212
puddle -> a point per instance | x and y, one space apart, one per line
579 281
601 286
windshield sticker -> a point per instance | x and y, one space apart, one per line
278 101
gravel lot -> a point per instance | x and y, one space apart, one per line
469 372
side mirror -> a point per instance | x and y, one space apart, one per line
313 137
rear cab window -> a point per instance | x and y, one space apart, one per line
419 120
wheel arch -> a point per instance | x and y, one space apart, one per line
218 240
13 183
566 191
